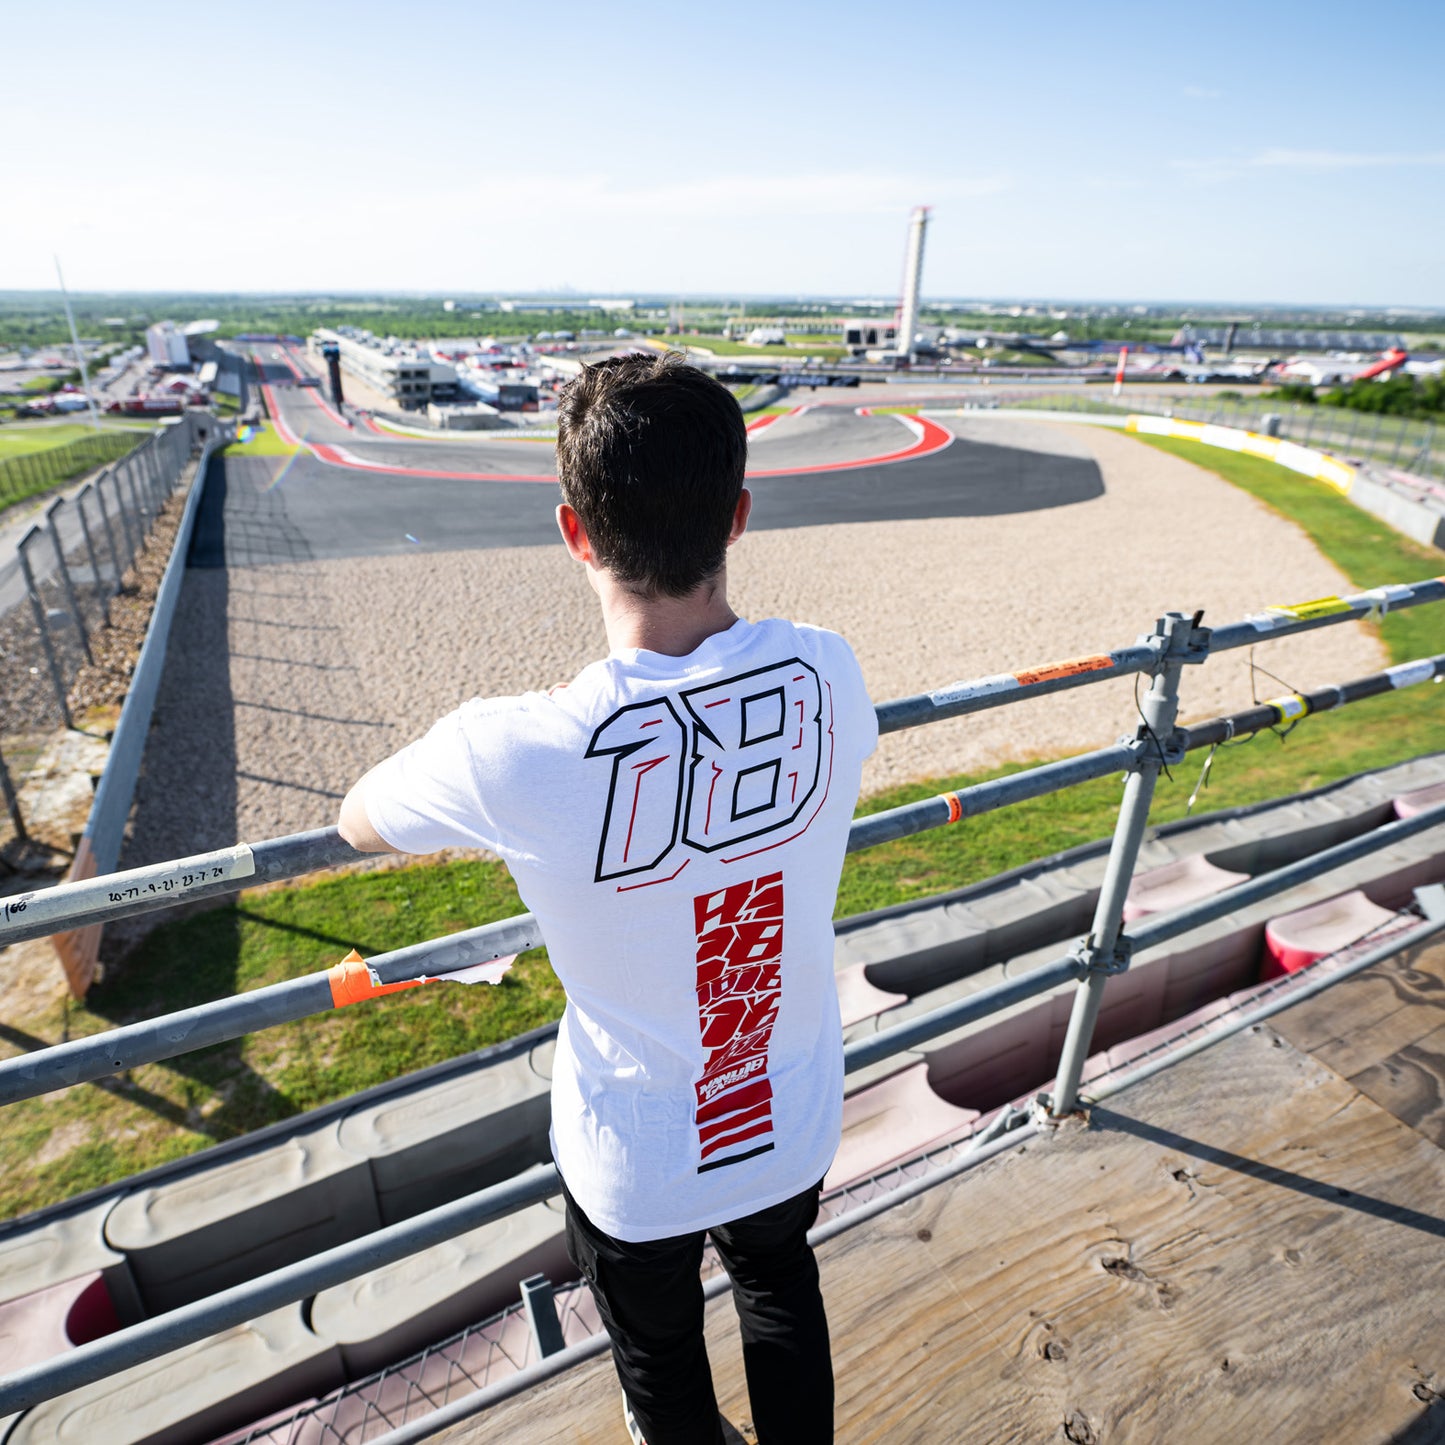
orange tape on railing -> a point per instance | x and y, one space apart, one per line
955 808
350 982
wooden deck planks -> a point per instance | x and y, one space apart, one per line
1244 1247
1384 1031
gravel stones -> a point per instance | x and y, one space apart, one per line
285 683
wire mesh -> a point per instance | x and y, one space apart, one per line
55 595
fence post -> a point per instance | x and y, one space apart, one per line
65 581
1181 640
137 506
90 552
125 520
1379 422
12 801
109 530
1399 441
146 484
38 607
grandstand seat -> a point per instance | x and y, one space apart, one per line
390 1313
858 999
1407 805
894 1119
195 1392
1130 1050
203 1231
49 1321
1184 881
61 1248
433 1144
1294 940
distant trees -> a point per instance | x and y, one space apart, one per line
1401 395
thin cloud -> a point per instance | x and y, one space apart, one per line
1345 160
1283 158
1202 92
846 194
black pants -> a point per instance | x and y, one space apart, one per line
650 1299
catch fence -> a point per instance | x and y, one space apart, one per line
23 476
1175 642
1408 444
55 602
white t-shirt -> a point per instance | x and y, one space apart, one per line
678 826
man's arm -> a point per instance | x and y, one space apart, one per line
354 824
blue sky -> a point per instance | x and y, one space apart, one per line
1284 153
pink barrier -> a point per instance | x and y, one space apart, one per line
1176 884
50 1321
1407 805
898 1117
858 999
1295 939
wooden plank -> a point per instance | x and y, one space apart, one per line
1362 1021
1243 1246
1411 1085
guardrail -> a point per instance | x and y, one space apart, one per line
33 472
55 595
1176 641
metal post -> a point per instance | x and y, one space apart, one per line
12 802
1399 441
151 480
109 530
65 581
541 1310
1310 425
137 506
38 607
126 521
90 552
75 342
1181 640
1354 427
1374 435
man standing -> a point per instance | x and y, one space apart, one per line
676 818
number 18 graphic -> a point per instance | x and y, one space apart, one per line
756 747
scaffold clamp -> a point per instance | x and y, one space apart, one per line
1093 959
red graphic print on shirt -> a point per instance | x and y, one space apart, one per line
739 986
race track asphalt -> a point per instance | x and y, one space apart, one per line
259 510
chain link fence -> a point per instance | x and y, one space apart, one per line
24 476
1356 436
55 603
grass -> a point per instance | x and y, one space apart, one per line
91 1135
263 442
33 463
24 439
829 350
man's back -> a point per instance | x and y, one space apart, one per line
678 826
677 820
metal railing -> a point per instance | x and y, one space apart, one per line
1176 641
1378 438
56 592
33 472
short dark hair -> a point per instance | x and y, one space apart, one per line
651 454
